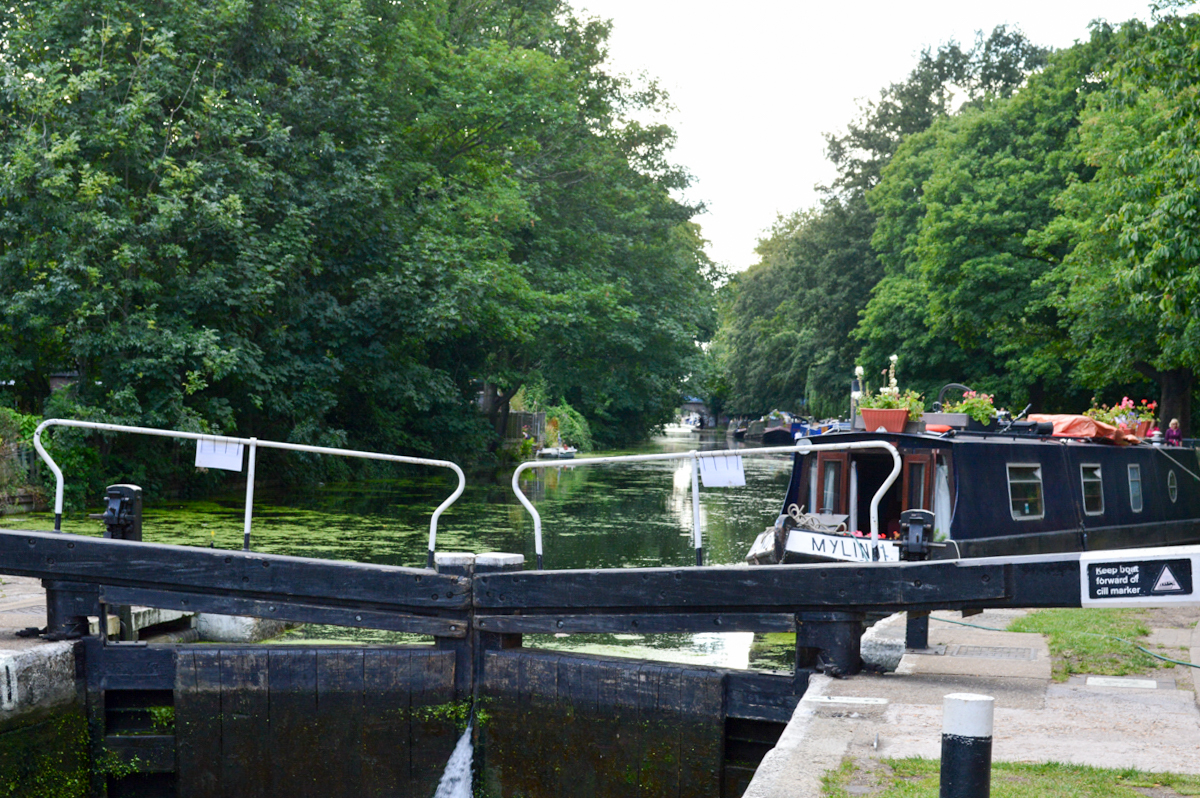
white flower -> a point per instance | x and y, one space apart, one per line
858 371
856 395
894 358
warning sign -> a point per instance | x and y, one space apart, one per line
1138 577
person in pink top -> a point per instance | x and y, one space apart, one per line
1174 435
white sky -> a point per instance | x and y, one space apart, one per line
756 83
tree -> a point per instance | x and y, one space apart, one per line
964 209
338 220
1132 283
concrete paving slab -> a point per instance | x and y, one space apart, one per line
1110 724
1170 638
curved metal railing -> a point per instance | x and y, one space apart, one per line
801 447
252 445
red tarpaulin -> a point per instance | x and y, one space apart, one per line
1068 426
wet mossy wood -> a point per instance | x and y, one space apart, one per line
294 732
565 724
702 731
285 608
222 572
386 748
121 666
146 753
340 702
198 722
329 721
433 731
763 696
245 730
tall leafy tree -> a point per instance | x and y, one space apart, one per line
1132 283
338 220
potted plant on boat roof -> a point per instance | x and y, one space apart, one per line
889 409
1126 415
979 406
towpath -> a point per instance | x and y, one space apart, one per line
1149 722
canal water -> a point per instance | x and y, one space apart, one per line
619 515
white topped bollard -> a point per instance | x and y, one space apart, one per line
967 746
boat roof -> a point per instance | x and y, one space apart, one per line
970 437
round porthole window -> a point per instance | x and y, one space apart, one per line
1172 486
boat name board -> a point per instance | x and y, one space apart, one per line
1139 577
840 547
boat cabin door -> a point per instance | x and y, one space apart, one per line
844 485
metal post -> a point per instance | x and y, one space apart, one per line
967 746
699 541
916 630
249 495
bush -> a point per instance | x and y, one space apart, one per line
573 428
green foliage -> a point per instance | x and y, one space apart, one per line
1035 242
1085 641
786 321
460 713
795 324
572 427
330 222
163 719
915 778
977 405
17 427
909 400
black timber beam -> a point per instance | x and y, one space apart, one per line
287 609
1036 581
639 623
245 576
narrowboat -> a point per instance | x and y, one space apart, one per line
1022 490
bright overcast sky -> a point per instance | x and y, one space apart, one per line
756 83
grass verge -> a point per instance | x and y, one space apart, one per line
1082 641
917 778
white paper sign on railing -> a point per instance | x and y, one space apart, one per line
219 454
722 472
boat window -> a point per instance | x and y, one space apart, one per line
1025 491
830 500
916 486
1093 489
1135 488
833 470
918 470
1172 486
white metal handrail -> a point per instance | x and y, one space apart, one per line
253 444
801 447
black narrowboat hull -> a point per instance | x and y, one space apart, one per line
992 495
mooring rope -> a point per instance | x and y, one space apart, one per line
1163 452
811 521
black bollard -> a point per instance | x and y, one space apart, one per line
967 746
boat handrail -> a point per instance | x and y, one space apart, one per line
802 446
252 444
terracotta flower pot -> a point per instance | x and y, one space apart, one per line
1143 428
890 420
